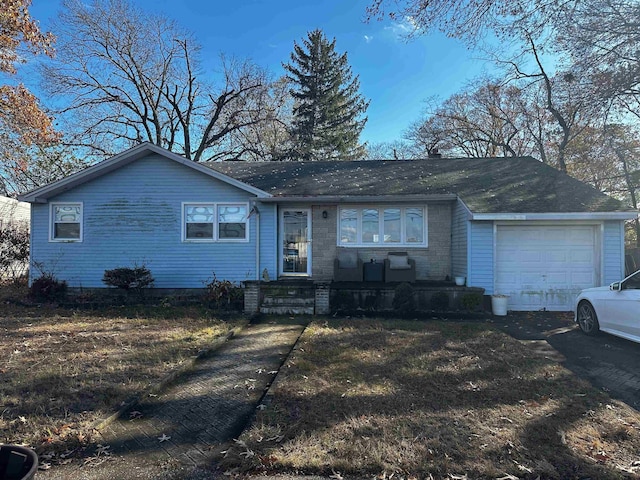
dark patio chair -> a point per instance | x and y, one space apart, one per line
398 267
347 267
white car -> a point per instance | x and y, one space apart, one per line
614 309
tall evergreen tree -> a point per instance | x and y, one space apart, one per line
328 109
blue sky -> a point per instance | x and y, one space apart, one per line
395 74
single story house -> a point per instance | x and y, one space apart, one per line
509 225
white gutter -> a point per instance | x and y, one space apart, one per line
333 199
556 216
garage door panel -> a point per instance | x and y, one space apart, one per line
555 256
554 236
583 279
581 236
555 279
544 266
581 255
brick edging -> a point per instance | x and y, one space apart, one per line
169 377
268 394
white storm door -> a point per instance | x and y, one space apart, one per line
295 242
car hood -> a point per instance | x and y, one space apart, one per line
596 289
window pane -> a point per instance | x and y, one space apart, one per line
232 214
414 225
66 230
370 226
199 214
232 230
348 225
67 213
392 225
199 230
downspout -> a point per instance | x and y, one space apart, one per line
257 214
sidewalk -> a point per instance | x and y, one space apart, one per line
171 435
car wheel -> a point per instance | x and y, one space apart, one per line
587 318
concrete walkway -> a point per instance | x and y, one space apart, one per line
172 434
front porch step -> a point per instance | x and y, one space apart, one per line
288 297
275 301
286 310
287 305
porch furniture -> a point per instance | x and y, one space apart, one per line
373 272
398 267
347 267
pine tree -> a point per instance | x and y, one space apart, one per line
328 110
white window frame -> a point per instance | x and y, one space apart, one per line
246 222
216 222
52 222
381 243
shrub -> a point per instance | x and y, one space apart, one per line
471 301
48 288
126 278
224 294
439 301
404 299
14 250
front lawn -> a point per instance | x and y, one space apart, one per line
450 400
62 370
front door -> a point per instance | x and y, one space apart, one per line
295 235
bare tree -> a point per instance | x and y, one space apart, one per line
484 121
394 150
133 76
268 139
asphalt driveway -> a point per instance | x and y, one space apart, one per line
608 362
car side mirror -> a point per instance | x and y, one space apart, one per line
616 286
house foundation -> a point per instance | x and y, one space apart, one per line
305 297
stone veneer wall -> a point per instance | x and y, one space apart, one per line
432 263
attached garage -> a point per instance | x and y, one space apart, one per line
544 267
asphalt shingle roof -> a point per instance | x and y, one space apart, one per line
486 185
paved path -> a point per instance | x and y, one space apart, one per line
608 362
171 435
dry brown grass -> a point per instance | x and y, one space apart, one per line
418 399
62 370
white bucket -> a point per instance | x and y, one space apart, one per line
460 281
499 304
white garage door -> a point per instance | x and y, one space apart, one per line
544 267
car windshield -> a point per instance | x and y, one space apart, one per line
633 281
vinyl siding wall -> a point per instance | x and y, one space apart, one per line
133 215
459 231
613 252
480 266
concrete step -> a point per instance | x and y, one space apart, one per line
287 310
290 301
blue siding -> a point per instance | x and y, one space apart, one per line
613 251
133 215
481 256
268 239
459 231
